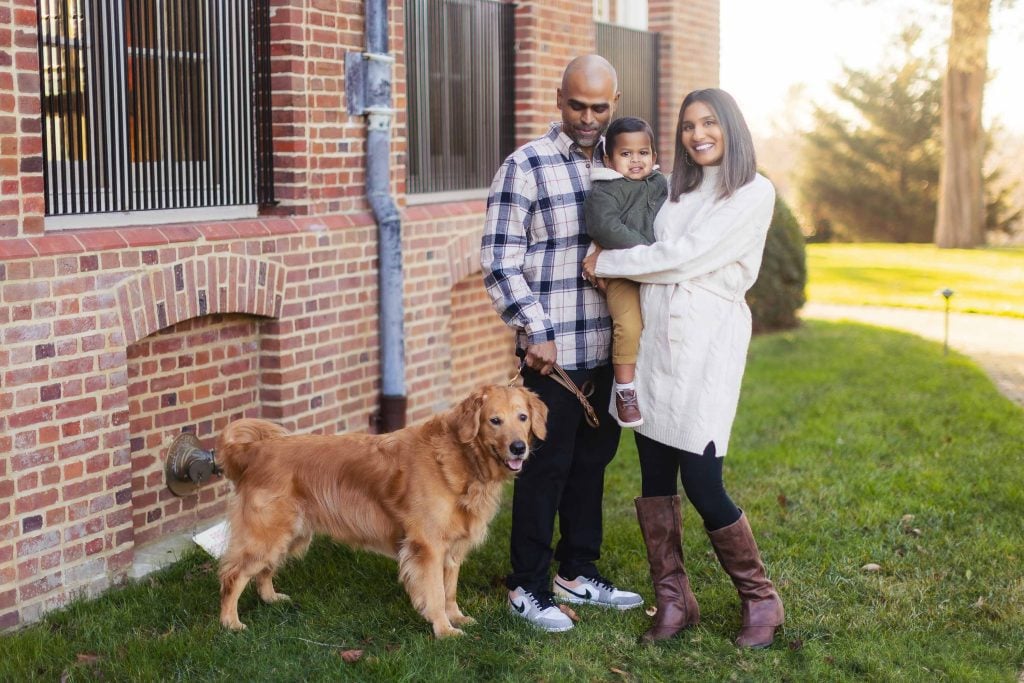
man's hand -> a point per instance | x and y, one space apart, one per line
541 357
590 265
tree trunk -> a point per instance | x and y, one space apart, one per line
960 222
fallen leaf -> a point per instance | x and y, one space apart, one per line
783 501
569 612
624 674
906 519
872 567
795 645
87 658
980 603
351 656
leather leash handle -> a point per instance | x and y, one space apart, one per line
559 375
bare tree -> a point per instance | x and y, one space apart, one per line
960 219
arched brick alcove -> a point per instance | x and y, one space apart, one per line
192 334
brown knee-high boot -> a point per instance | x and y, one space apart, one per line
762 607
677 607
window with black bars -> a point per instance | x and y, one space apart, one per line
461 97
634 54
154 104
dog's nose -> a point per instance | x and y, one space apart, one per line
517 447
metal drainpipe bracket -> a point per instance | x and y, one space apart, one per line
359 82
380 118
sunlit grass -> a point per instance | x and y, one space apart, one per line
853 445
987 280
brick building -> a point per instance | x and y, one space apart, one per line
120 328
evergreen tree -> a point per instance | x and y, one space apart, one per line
875 177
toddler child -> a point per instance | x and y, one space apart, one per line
624 198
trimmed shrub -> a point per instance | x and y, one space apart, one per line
779 291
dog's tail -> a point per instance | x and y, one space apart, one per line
234 446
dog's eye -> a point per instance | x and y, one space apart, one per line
495 420
522 417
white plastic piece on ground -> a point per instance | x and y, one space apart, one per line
214 540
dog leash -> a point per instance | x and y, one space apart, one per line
561 377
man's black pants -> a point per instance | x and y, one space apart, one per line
564 476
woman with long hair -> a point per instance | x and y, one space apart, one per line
709 239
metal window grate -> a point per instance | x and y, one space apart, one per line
154 104
634 54
461 95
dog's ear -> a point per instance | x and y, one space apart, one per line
467 416
538 415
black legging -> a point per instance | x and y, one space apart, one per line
701 476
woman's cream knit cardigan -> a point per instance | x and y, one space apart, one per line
693 348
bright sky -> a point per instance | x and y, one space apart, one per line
777 53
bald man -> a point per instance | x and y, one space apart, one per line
533 247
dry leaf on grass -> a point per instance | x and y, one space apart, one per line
87 658
351 656
872 567
569 612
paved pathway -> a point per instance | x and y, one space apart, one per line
996 343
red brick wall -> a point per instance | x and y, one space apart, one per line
197 375
21 179
482 345
548 35
112 341
320 149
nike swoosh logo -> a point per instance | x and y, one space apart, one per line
585 595
521 607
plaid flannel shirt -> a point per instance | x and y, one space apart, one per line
533 247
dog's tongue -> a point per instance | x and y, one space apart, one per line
514 465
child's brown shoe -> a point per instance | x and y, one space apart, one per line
627 410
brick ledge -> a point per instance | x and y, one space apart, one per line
105 239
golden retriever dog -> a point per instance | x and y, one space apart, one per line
423 495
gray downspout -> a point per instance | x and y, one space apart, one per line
376 67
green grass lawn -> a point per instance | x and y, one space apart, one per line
984 280
853 445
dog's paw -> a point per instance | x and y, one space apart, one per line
276 597
233 624
447 632
463 620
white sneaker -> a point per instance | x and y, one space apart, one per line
539 609
594 591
